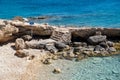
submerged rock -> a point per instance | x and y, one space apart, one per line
47 61
71 53
18 18
57 70
80 57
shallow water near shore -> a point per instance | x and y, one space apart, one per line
92 68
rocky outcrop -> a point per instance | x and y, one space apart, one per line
10 29
84 33
38 29
7 31
61 35
63 42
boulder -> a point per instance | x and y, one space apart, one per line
31 57
103 44
77 49
7 32
61 35
19 18
57 70
60 45
51 48
99 48
21 53
2 24
111 49
117 46
80 57
96 39
1 34
71 53
110 43
19 44
84 44
35 45
105 53
64 54
27 37
39 44
55 57
47 61
77 44
88 53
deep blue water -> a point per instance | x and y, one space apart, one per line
104 13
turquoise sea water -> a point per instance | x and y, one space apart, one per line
104 13
92 68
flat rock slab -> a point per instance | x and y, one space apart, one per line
96 39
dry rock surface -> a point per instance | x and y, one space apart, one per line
35 44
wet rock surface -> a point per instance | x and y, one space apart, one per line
57 70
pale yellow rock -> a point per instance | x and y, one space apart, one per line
19 44
57 70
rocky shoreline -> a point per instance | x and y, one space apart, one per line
43 43
59 42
